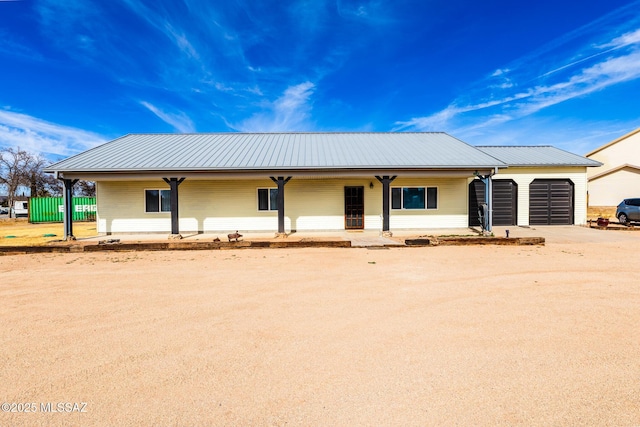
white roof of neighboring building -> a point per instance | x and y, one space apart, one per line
538 155
278 151
626 166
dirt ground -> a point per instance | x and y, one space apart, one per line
504 335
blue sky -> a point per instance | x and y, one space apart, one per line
78 73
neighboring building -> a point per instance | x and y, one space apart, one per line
619 176
332 181
21 208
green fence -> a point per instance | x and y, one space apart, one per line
51 209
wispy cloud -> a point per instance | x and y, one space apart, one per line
180 121
161 19
290 112
181 40
156 47
512 92
626 39
213 58
39 136
72 26
11 46
372 11
597 77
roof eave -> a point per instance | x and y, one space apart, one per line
615 141
98 175
557 165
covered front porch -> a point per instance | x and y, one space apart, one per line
283 205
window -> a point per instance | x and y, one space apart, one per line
432 197
414 198
157 200
267 199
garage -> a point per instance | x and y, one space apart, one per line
551 202
504 200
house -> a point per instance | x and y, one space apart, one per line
619 176
332 181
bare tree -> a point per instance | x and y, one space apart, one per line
50 186
85 188
13 164
34 174
19 168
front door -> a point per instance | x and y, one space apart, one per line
354 208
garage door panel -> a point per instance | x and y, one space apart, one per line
551 202
504 201
476 197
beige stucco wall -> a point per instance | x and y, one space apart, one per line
610 189
453 200
624 151
310 204
524 176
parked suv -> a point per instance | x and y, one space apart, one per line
628 210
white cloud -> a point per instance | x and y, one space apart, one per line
73 26
180 121
290 112
523 95
626 39
181 41
442 119
589 80
372 11
39 136
499 72
574 136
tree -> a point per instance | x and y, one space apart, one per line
13 165
39 183
85 188
51 186
19 168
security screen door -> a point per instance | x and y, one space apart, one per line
354 208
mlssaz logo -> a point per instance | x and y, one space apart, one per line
63 407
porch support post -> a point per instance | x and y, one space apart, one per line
386 180
488 199
487 219
280 182
175 218
68 208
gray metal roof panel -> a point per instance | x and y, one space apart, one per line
255 151
536 155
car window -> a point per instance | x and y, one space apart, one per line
634 202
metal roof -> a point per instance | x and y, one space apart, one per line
538 155
277 151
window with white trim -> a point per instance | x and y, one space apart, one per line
267 199
157 201
414 198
